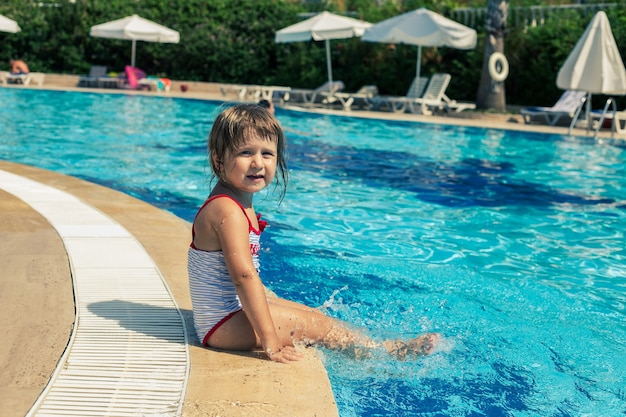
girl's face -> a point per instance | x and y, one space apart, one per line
252 166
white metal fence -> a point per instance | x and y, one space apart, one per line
526 16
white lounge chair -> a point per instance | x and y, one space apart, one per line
243 92
456 106
35 77
25 79
300 95
253 92
362 98
565 107
435 98
398 104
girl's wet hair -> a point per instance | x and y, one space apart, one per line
231 129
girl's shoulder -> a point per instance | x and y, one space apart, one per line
220 219
219 203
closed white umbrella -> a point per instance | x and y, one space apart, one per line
595 64
135 28
323 27
422 27
8 25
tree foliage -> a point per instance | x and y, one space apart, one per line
233 41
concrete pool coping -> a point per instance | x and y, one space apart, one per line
512 120
36 274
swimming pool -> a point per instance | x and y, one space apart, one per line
510 244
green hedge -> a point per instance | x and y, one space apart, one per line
233 41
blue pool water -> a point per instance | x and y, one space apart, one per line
509 244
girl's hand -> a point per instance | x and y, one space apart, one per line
284 354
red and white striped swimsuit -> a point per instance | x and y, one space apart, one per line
213 293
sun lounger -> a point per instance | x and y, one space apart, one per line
398 104
312 96
252 92
35 77
362 98
456 106
111 82
433 99
242 91
445 104
92 80
24 79
98 78
273 92
565 107
8 78
4 77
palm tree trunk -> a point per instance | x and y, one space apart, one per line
491 94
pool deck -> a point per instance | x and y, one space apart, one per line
38 310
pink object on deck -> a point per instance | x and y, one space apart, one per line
133 75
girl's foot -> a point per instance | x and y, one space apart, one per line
420 346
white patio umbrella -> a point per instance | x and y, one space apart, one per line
420 28
595 64
323 27
135 28
8 25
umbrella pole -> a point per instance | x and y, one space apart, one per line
418 64
588 112
329 66
132 58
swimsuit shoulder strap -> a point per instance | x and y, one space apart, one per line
250 226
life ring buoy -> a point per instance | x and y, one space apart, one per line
498 67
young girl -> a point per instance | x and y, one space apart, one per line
231 308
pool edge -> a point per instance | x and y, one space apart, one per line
220 383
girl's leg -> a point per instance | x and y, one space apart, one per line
297 323
292 304
294 323
300 323
341 336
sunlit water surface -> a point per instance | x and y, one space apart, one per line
509 244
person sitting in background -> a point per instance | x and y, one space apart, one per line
18 67
267 104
